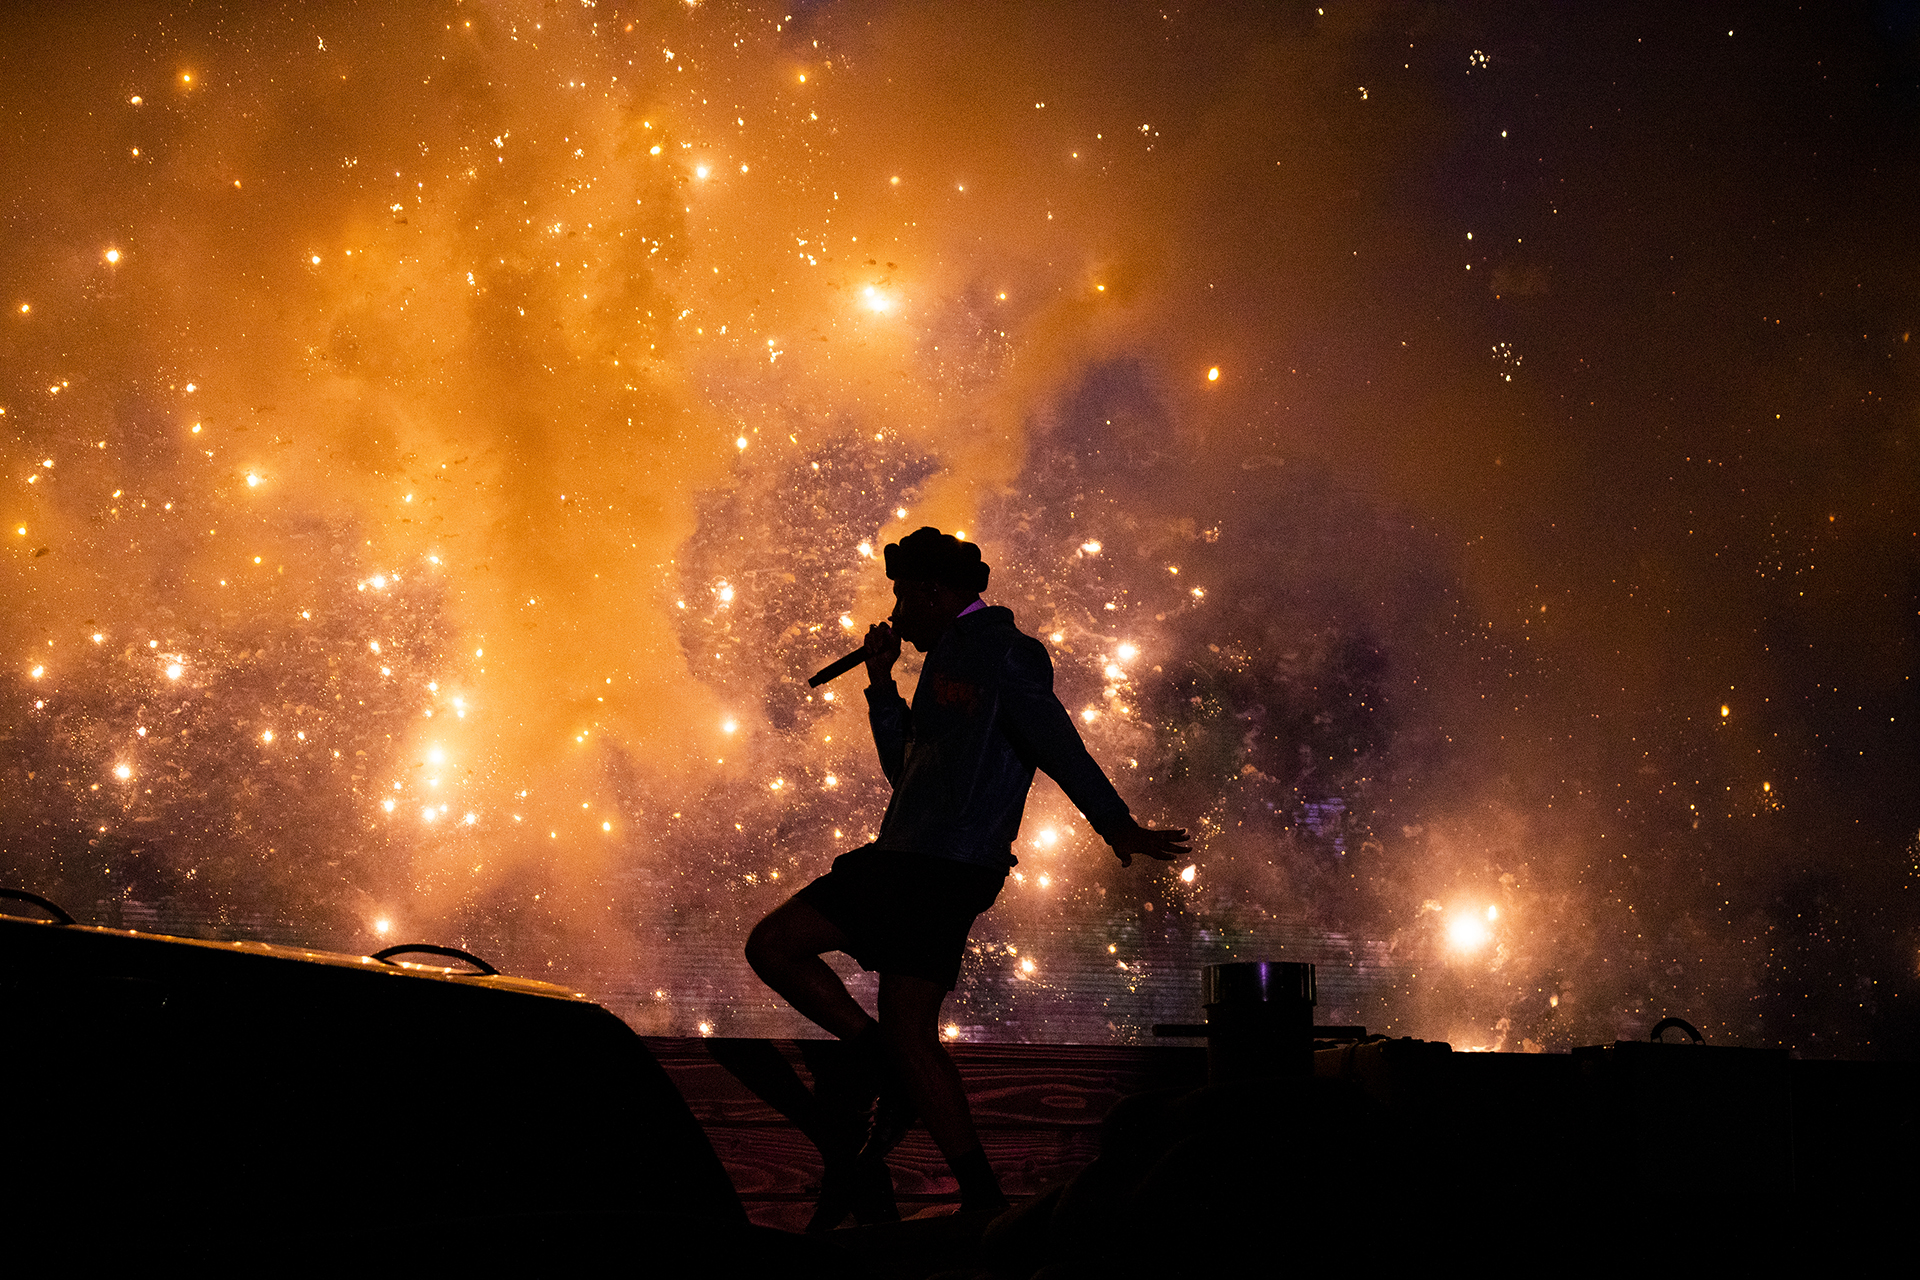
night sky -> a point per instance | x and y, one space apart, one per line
1462 459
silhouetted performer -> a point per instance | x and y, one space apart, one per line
960 759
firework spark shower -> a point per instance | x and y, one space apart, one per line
1463 464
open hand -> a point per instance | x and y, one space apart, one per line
1148 843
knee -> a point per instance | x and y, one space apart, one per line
763 946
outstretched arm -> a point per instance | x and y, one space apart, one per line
1038 721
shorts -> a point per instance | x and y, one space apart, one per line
905 913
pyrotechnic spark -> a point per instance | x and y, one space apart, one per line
517 338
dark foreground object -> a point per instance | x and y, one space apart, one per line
245 1106
1128 1164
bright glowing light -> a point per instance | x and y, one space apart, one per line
1045 880
1213 374
1725 711
865 549
740 442
175 671
381 926
1026 966
1128 653
387 805
113 255
700 172
267 736
1090 715
1047 838
1090 548
252 480
1468 933
729 726
832 781
122 772
38 672
951 1031
1188 874
427 815
706 1028
315 259
726 594
1114 672
876 300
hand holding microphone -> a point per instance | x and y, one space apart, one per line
880 652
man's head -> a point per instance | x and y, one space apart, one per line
935 576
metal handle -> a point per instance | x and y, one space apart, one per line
1660 1029
385 955
51 908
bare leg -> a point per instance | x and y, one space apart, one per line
910 1020
785 949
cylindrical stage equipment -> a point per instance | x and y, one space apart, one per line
1259 1019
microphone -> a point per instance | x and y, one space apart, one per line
837 668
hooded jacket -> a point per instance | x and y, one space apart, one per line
961 758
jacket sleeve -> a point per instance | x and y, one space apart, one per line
892 722
1043 732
